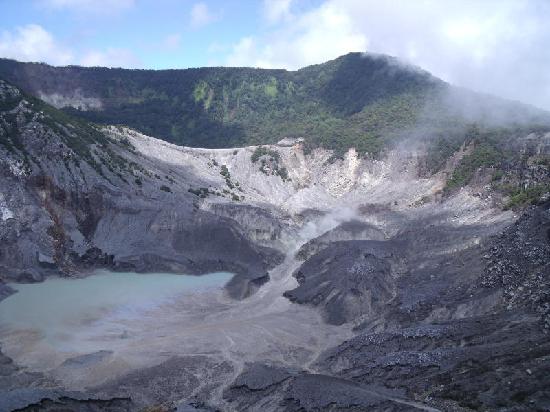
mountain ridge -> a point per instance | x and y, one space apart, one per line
357 100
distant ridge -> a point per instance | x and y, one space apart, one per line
357 100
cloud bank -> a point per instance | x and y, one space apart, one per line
33 43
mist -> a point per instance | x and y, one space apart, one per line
494 47
315 227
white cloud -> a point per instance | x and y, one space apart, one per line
277 10
494 46
245 53
94 6
216 48
201 16
33 43
172 41
112 57
319 35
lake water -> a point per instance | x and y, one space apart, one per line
84 332
61 311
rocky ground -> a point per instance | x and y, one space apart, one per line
358 285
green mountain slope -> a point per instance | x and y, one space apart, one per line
357 100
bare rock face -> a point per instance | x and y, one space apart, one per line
167 383
274 388
519 263
475 341
265 226
352 230
102 229
416 273
73 199
348 279
486 362
56 400
32 391
5 291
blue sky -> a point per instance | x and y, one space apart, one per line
146 34
136 33
494 46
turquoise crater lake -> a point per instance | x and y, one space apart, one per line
60 309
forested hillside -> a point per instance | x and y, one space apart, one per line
357 100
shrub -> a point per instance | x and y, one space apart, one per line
264 151
283 173
225 172
524 197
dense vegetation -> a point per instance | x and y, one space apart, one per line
520 197
495 153
350 101
361 101
488 149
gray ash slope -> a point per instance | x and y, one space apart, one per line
476 341
73 198
432 297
